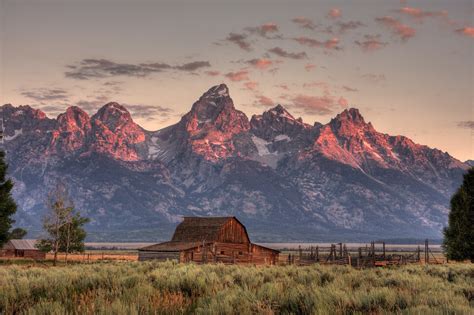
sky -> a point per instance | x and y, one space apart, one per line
406 65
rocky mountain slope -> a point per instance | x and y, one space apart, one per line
285 179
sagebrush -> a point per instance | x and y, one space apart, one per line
164 288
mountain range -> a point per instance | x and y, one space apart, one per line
286 180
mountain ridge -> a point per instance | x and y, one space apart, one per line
315 182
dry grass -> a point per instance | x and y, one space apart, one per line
169 288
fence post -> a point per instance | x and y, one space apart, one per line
300 252
317 253
383 245
427 258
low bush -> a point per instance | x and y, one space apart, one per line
170 288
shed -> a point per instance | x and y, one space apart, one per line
21 248
210 239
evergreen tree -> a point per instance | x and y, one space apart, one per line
459 235
7 204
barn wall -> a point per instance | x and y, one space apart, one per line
262 255
233 232
35 254
160 256
7 253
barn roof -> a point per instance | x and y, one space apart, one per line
171 246
198 229
22 244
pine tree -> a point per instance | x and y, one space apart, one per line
7 204
459 235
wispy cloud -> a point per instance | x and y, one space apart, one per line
349 25
374 78
262 100
260 63
285 54
149 112
330 44
420 14
405 32
467 31
103 68
304 22
251 85
371 43
349 89
469 124
212 73
240 40
316 105
264 30
42 95
237 76
310 67
334 13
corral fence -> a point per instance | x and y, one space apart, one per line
374 254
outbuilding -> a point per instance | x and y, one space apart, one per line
21 248
210 239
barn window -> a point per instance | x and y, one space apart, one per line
222 252
241 253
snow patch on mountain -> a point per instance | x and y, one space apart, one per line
16 133
282 137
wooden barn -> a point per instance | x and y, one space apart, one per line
210 239
21 248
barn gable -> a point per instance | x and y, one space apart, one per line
211 229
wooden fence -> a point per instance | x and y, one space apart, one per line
371 255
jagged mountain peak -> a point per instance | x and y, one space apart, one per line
280 111
217 91
74 117
113 115
351 114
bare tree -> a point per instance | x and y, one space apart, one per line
60 215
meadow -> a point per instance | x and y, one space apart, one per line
171 288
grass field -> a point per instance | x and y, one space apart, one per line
163 288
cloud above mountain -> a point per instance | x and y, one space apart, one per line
103 68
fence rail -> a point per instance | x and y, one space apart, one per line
371 255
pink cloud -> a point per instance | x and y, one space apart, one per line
241 75
240 40
309 67
263 100
261 63
318 84
343 102
349 89
404 31
420 14
283 53
212 73
334 13
371 43
264 29
251 85
304 22
309 104
283 87
331 44
467 31
375 78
